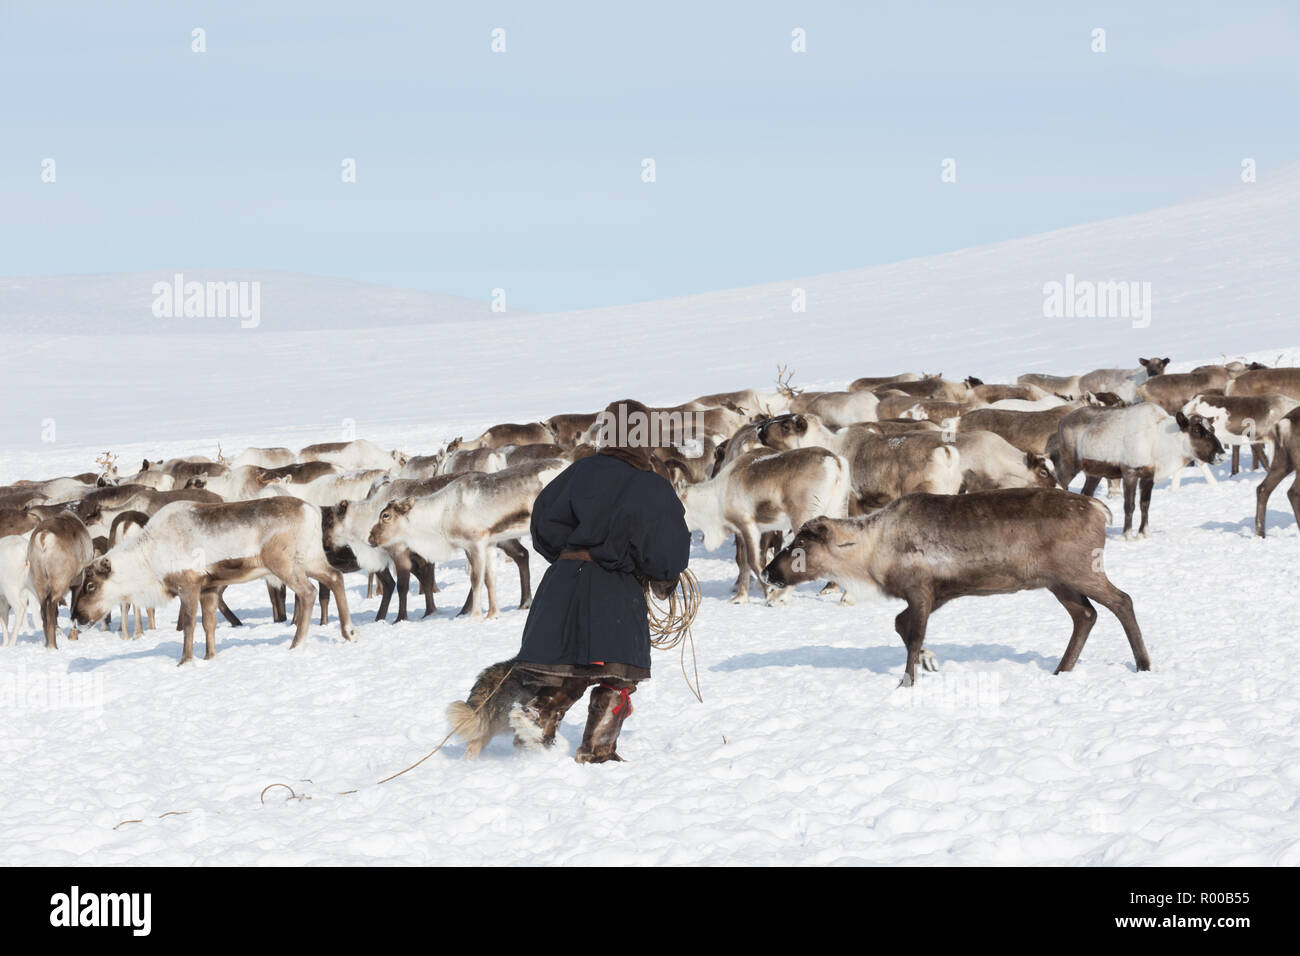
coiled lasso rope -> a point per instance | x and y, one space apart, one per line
671 619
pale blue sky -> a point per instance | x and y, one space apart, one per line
522 170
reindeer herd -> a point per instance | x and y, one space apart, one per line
920 487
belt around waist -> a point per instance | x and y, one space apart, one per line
576 556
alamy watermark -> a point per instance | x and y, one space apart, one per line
633 428
1087 299
208 300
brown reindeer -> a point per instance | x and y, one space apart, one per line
1286 459
929 549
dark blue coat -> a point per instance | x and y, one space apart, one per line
632 523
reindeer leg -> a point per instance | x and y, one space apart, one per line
1236 459
226 612
1293 494
324 604
331 582
402 562
208 601
1082 614
50 622
473 605
124 610
386 588
1145 484
490 579
189 595
304 596
741 593
1281 467
519 554
428 585
1130 492
917 616
1121 605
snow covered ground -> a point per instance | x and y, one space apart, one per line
803 750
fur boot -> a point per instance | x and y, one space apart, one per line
610 706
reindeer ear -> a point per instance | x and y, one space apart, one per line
103 566
402 505
342 508
1182 421
800 424
817 529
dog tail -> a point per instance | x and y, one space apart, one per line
467 723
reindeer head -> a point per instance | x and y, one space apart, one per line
107 463
1155 366
783 432
783 378
331 517
1041 469
1205 445
811 554
392 522
94 598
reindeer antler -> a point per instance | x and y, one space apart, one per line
221 459
784 375
106 460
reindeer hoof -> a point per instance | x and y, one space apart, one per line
740 599
846 600
906 681
351 634
928 661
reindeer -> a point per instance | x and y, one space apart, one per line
355 455
882 467
760 491
1286 459
57 553
1242 420
533 433
1266 381
15 585
1123 381
468 515
981 394
1027 431
1141 444
192 549
929 549
264 458
568 429
1065 386
128 524
868 383
989 462
1173 390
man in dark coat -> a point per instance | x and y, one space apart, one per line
606 523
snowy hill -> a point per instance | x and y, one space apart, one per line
1224 274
